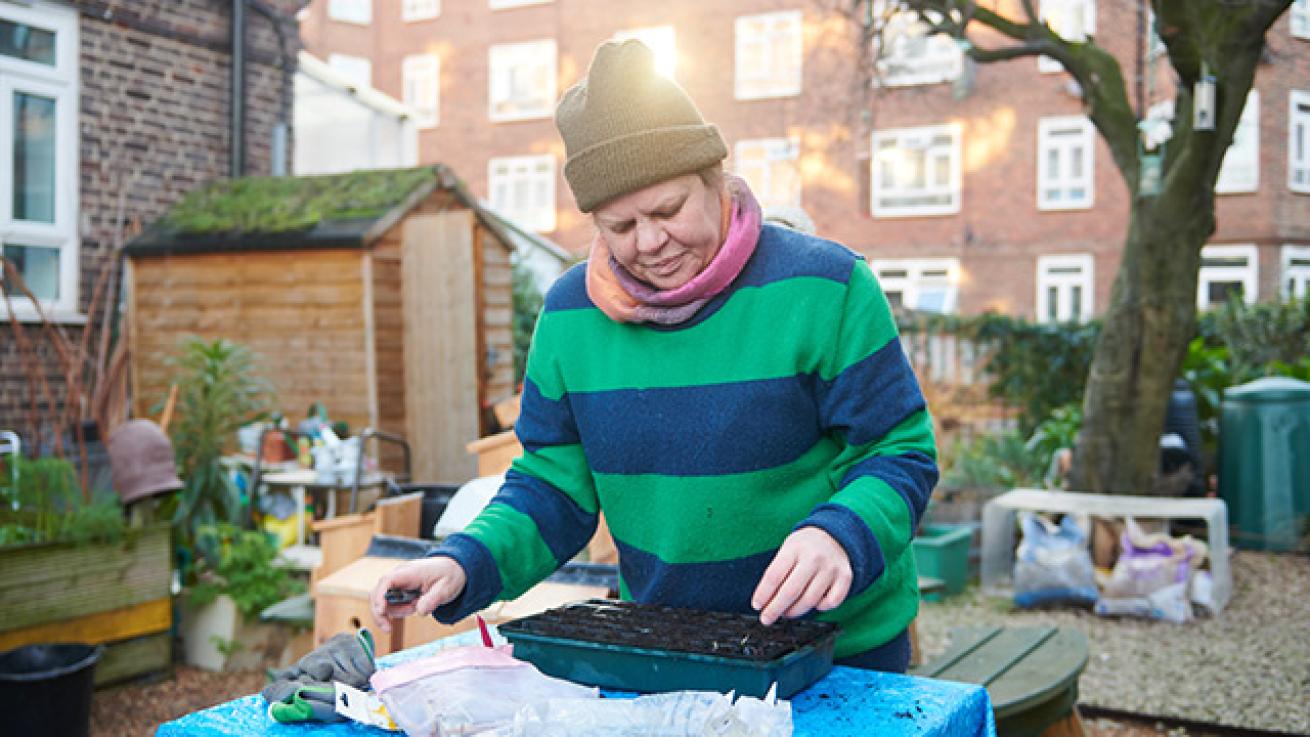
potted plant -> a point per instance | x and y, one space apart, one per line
218 391
71 568
236 579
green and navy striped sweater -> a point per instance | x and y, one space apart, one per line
785 402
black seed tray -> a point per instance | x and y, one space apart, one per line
642 647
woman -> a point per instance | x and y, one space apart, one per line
733 396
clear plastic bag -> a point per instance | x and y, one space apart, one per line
467 691
676 714
1053 564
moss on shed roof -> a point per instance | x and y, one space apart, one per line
266 205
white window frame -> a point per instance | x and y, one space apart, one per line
61 83
1049 8
1299 17
782 76
502 59
348 67
358 12
503 4
541 217
952 188
1298 161
941 60
661 40
1240 170
420 85
1064 272
417 10
1247 274
920 275
1047 131
1295 282
760 172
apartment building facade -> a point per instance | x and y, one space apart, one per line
968 187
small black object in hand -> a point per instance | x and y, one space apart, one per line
396 597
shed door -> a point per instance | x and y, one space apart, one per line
440 307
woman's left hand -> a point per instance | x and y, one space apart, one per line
810 571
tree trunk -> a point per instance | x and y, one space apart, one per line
1148 325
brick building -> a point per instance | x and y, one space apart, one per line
968 187
110 112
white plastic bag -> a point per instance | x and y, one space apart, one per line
1053 564
675 714
1153 576
466 691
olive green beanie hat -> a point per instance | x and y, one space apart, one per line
626 127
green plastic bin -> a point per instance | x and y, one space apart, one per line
942 551
1264 462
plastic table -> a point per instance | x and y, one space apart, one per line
847 702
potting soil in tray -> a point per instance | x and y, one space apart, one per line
642 647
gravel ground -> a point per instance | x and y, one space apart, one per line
1249 667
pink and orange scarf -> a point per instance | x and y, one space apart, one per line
625 298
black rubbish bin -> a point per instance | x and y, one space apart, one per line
46 689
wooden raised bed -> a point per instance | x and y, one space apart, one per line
112 595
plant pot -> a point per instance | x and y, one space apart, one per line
216 637
942 551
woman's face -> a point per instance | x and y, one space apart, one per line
666 233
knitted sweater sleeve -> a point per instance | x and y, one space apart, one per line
545 512
869 399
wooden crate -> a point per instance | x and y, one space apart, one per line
114 595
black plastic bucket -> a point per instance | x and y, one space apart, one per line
46 689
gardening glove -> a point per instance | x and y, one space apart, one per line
304 692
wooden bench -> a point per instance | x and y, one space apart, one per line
998 528
1030 673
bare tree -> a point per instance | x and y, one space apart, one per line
1152 311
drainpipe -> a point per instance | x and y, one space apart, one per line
237 153
282 129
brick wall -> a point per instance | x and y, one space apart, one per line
999 232
153 124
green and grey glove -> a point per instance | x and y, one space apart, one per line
304 692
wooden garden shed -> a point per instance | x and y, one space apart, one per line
384 294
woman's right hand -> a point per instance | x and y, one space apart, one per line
439 579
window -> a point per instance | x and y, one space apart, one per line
522 80
928 285
1064 164
355 69
916 171
1240 171
38 153
769 49
498 4
1072 20
909 56
1225 271
421 84
412 10
1298 142
351 11
661 41
1296 272
1064 288
769 166
523 189
1301 18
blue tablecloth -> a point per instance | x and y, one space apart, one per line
848 701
